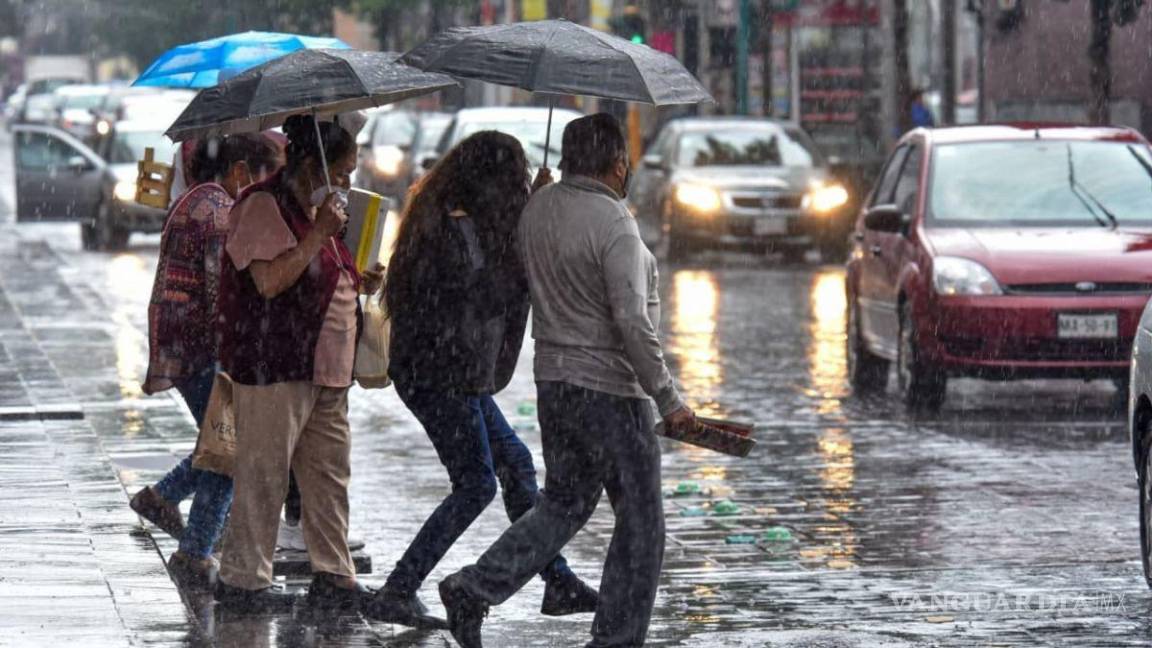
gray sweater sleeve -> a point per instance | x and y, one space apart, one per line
625 263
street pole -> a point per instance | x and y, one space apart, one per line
766 45
743 35
981 111
948 87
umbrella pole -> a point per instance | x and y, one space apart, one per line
323 157
548 133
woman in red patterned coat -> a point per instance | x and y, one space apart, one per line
182 337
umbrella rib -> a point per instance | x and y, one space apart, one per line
536 64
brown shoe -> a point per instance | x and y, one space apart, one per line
159 511
193 573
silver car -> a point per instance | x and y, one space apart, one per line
746 183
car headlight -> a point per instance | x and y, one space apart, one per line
956 276
103 127
698 197
125 190
823 198
387 159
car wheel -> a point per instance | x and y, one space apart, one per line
833 251
867 372
88 238
1143 425
108 236
922 386
672 246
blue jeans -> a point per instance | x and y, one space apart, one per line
213 490
479 449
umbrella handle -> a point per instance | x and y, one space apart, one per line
548 133
323 157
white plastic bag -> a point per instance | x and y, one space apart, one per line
371 367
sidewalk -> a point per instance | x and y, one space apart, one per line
74 565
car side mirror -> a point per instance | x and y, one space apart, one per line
78 164
886 218
653 162
427 163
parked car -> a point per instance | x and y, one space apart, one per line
39 105
745 183
1140 431
387 139
14 105
1001 252
429 129
528 125
76 109
60 177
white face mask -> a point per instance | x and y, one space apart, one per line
319 194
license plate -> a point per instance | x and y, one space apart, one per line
1086 326
767 226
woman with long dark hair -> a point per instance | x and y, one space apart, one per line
289 319
458 300
182 338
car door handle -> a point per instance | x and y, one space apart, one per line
877 251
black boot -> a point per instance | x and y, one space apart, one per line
270 600
325 594
568 594
404 608
465 613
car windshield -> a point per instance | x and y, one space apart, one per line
128 147
531 133
746 147
1041 183
394 128
431 130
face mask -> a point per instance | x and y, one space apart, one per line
321 193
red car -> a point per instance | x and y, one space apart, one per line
1001 252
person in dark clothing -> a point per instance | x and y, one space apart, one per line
599 366
458 299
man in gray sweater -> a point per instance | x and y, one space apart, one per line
595 315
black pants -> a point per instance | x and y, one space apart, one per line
593 441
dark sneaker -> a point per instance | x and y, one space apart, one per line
325 594
193 573
402 608
465 613
568 595
149 505
269 600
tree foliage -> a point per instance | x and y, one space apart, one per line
1105 13
143 29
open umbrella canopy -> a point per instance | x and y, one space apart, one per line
307 81
559 57
206 63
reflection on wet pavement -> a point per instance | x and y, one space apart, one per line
847 510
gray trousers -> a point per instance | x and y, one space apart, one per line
593 441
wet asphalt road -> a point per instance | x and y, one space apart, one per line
1008 519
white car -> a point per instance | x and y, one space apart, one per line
529 125
1140 431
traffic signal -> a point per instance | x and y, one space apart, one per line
630 25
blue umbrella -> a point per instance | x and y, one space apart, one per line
206 63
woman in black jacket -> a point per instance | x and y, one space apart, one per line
458 300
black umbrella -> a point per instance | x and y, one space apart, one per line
559 57
314 81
